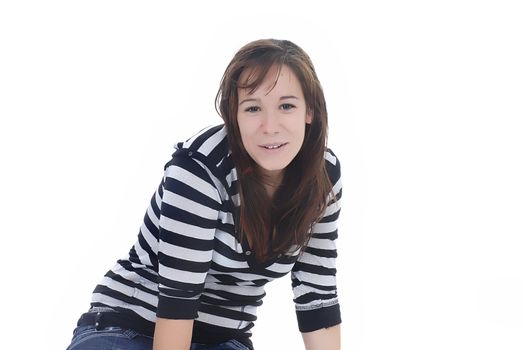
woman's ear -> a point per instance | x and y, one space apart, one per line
308 118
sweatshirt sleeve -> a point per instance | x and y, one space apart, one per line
314 274
188 218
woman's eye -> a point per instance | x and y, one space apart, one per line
287 106
252 109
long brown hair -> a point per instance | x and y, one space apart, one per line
281 224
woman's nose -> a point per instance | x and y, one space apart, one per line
270 123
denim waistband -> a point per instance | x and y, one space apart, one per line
103 319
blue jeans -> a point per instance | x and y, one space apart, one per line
116 338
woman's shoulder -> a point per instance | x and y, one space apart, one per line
209 144
331 158
332 162
333 167
205 140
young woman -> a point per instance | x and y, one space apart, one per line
239 205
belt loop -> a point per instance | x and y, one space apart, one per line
98 321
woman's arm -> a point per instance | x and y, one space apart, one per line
314 274
188 213
323 339
172 334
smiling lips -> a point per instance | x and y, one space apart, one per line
271 146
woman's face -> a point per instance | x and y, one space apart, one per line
272 120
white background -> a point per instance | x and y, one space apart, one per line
425 102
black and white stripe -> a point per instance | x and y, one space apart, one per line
187 262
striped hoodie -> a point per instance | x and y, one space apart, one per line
188 263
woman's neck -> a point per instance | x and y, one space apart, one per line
270 189
271 181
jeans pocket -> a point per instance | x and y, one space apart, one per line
85 333
236 345
129 333
82 332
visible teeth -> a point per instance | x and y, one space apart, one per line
273 147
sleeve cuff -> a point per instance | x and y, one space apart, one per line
174 308
312 320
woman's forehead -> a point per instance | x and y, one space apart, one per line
252 78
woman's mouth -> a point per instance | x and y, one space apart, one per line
273 146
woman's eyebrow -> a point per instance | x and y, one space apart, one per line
249 100
258 100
